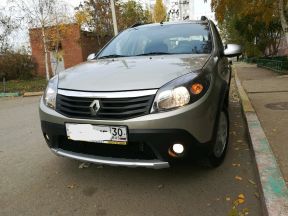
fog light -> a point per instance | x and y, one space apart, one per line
178 148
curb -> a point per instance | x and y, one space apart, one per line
17 94
273 187
31 94
11 94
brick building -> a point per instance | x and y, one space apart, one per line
73 47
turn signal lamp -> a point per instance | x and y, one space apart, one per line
197 88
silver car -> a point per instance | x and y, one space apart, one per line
154 96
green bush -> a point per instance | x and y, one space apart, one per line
16 66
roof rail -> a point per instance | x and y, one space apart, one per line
204 18
186 18
137 24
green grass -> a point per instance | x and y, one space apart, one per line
33 85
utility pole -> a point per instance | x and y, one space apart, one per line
114 17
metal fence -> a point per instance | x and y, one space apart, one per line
277 64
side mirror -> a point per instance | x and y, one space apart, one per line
232 50
91 56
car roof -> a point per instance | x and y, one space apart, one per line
171 23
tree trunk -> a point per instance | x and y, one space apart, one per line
45 53
283 19
57 46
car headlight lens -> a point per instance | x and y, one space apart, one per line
185 90
51 93
173 98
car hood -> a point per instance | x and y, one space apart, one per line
132 73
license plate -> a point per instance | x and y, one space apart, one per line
97 133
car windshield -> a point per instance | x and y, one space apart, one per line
186 38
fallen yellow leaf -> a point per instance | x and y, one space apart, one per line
241 196
72 186
240 201
252 182
238 178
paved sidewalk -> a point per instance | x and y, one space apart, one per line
268 93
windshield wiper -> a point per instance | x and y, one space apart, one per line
111 56
155 53
144 54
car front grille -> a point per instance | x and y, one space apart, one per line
110 108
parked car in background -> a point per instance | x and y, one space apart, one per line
154 95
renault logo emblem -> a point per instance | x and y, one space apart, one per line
94 107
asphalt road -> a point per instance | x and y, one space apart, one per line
33 181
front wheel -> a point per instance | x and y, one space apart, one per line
220 143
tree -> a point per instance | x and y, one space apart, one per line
132 12
255 24
8 25
263 10
159 12
283 17
42 14
95 16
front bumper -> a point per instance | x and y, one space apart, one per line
192 126
146 148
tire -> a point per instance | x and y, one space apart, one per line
220 142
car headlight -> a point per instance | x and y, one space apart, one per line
182 91
51 93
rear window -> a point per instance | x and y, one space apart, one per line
190 38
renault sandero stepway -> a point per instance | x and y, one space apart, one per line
154 95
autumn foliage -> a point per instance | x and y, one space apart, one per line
261 10
95 16
132 12
159 13
255 24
